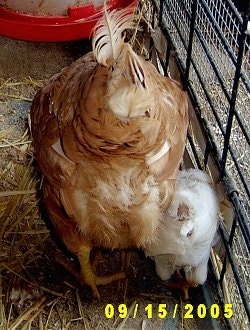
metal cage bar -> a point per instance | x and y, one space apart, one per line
218 33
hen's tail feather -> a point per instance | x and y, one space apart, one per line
137 71
108 34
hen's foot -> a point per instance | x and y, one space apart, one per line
86 274
180 283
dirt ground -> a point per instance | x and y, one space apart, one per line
35 291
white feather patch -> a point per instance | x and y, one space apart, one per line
108 34
130 101
167 101
187 227
58 148
164 149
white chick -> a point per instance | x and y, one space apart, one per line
188 231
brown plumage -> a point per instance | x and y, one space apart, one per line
109 133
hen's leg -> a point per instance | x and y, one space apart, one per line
180 283
86 272
91 279
86 275
68 232
125 262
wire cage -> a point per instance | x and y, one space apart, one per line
208 40
205 45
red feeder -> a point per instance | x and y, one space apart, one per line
76 25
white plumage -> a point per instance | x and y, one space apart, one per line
188 229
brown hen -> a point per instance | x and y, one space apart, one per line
109 133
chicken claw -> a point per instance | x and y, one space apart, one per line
86 274
180 283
